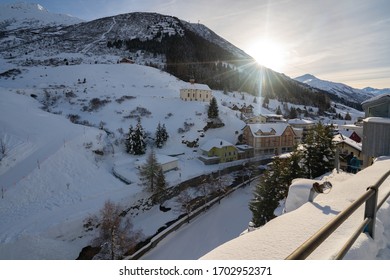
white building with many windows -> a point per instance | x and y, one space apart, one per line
196 92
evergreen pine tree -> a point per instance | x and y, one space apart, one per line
213 111
138 139
279 111
271 189
274 187
293 113
161 135
164 133
129 141
158 137
319 152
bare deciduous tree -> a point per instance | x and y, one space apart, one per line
184 200
116 234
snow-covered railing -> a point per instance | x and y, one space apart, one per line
370 198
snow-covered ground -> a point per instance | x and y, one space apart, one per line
50 178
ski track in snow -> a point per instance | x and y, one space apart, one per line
89 46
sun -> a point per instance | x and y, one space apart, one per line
268 53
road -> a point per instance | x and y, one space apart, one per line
219 224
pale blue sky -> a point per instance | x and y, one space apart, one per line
339 40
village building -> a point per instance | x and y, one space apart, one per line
196 92
345 147
167 163
218 151
269 138
247 110
376 127
301 127
353 131
245 151
265 118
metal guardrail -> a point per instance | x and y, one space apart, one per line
370 198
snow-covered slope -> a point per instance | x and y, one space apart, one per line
50 177
31 16
343 91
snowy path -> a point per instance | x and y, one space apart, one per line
89 46
219 224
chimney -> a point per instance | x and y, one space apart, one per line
192 81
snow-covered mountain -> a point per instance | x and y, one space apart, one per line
376 91
341 90
178 47
31 16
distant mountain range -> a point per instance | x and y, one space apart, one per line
32 36
341 90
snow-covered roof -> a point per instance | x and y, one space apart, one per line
161 159
244 147
300 121
377 120
197 86
339 138
217 143
376 98
262 129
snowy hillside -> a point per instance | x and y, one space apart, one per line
208 34
51 178
27 15
343 91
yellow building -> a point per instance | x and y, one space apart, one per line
218 151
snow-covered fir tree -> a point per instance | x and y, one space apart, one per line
268 193
161 135
213 111
319 151
135 141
